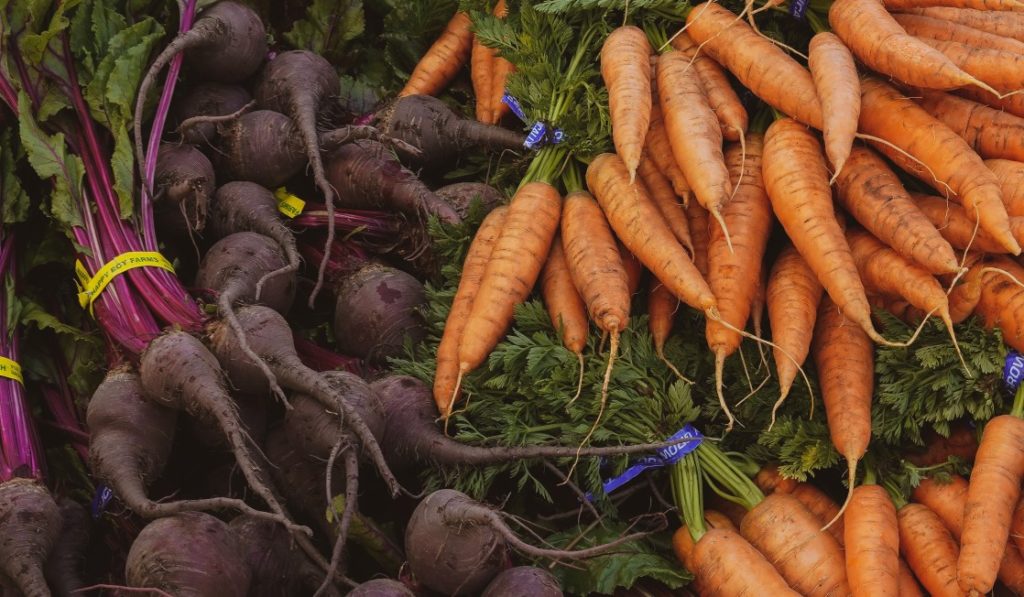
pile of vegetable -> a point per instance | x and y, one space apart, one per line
511 298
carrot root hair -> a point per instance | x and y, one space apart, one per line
851 479
661 355
612 352
579 386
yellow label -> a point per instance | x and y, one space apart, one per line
288 204
90 288
11 370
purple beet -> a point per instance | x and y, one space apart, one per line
377 309
198 110
381 587
461 195
30 523
524 581
186 180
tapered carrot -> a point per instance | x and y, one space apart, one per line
929 549
564 303
878 41
797 184
626 70
990 132
997 23
733 272
792 296
683 544
1010 175
660 151
694 133
672 210
998 68
874 196
1014 104
953 224
662 306
1001 5
477 256
481 69
922 26
519 255
634 217
889 115
634 269
700 234
835 79
760 65
962 443
872 543
722 98
502 69
448 54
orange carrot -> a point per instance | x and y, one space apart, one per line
682 539
1010 175
634 269
797 183
964 297
722 98
872 543
962 443
700 233
473 267
659 149
953 224
760 65
1005 5
726 565
997 23
922 26
769 480
516 261
874 196
635 219
438 66
671 209
929 550
990 132
563 301
1014 104
661 310
824 508
879 42
733 272
481 69
626 70
1017 527
502 69
1002 302
889 115
909 587
694 133
998 68
792 295
835 79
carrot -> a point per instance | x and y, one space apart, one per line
502 69
760 65
922 26
997 23
444 58
879 42
728 565
1001 5
1010 175
694 133
1014 104
700 234
722 98
990 132
898 308
909 587
769 480
733 272
481 69
929 549
792 296
661 310
515 263
824 508
874 196
563 301
835 79
962 443
998 68
889 115
626 70
790 536
953 224
671 210
634 217
1002 302
844 357
872 543
683 543
659 150
797 183
634 269
1017 527
473 267
992 497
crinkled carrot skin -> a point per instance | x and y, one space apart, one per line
1010 174
727 565
992 133
924 26
792 296
722 98
872 543
997 23
626 70
953 224
929 550
661 311
443 60
1014 104
564 304
1002 302
481 69
999 68
995 5
672 210
700 232
659 150
838 86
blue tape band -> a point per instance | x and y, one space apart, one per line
665 456
798 8
539 134
1013 370
100 499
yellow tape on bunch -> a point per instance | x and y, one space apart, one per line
11 370
288 204
90 288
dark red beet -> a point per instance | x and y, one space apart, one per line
185 177
277 567
64 566
376 310
189 554
235 264
314 433
524 581
261 147
196 111
381 587
461 195
29 526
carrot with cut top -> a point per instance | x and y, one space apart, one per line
797 184
990 132
564 303
923 26
722 98
481 69
694 133
890 115
792 295
733 272
673 212
1010 175
479 253
872 542
997 23
626 70
872 193
760 65
879 42
998 68
518 256
444 58
659 149
838 86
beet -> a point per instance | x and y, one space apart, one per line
313 433
523 581
30 523
261 147
381 587
64 566
186 178
189 554
277 567
376 309
197 111
461 195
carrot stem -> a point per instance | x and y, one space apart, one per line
1017 410
717 466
